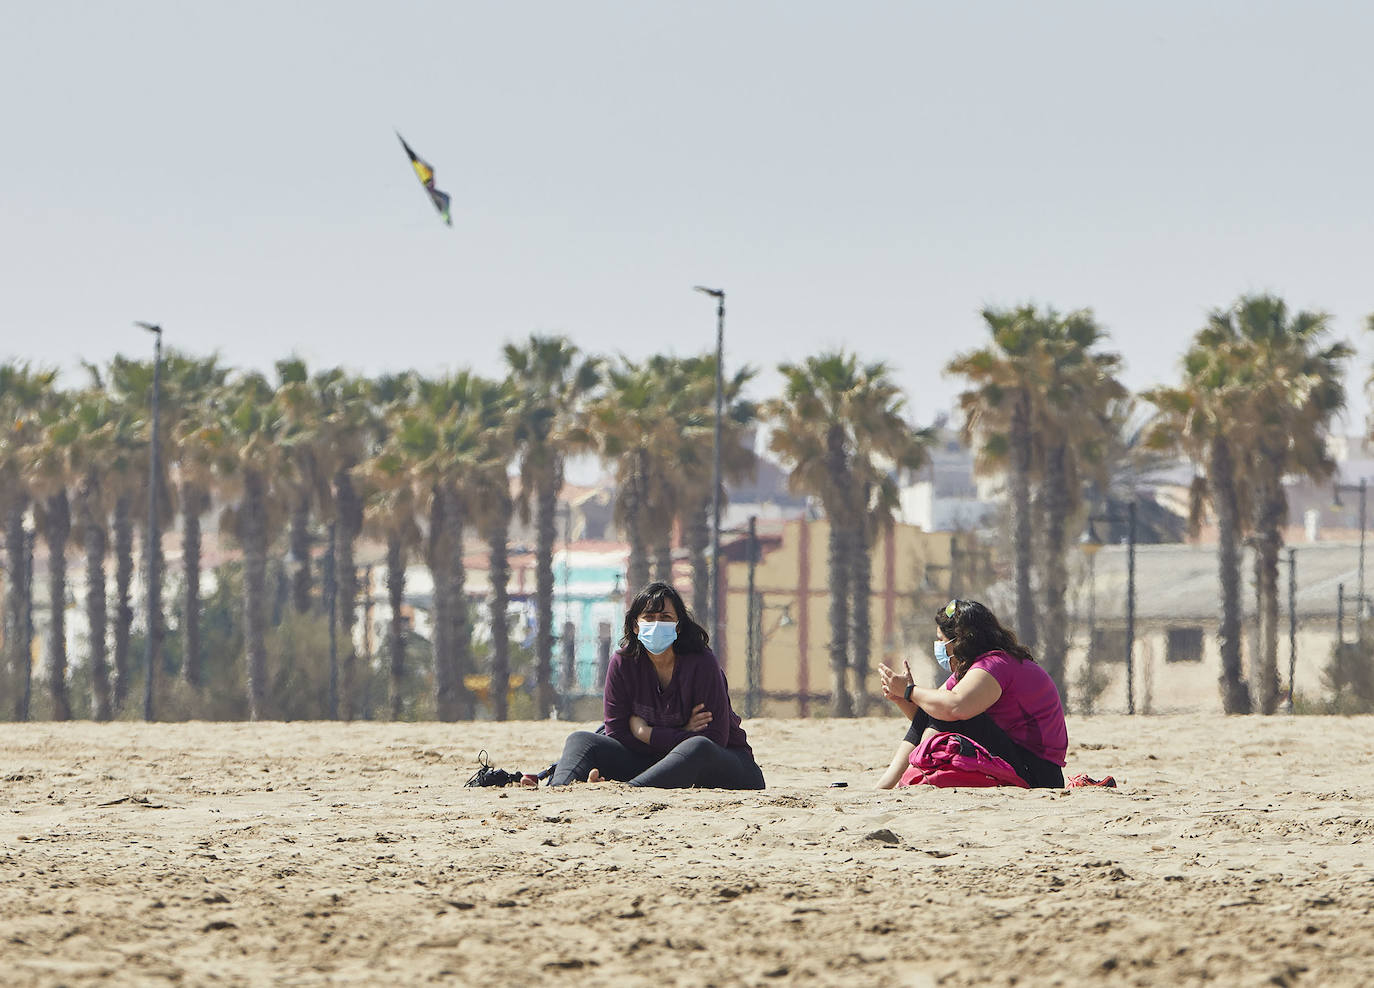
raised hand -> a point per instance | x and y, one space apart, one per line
894 685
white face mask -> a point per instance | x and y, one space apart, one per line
656 636
941 655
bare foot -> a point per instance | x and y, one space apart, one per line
595 775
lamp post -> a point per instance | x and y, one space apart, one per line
1362 487
719 296
1090 539
153 590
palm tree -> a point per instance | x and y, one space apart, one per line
634 426
127 480
349 427
884 445
1008 381
443 435
834 421
254 470
50 471
1075 432
24 392
489 494
553 382
130 384
99 448
1200 417
694 408
300 400
390 511
192 385
1296 389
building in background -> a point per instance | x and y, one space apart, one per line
788 673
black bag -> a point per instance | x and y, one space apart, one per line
488 775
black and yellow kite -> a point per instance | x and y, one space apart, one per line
426 176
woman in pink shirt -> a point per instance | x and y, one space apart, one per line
996 694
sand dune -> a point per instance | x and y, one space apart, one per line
1234 851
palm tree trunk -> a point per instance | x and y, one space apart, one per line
840 569
157 622
460 616
860 615
499 572
1235 695
97 546
124 612
57 526
663 553
437 558
841 518
350 522
17 643
192 506
697 533
396 645
548 485
253 536
1273 507
1056 570
637 573
301 578
1022 528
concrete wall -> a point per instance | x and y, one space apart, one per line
1162 686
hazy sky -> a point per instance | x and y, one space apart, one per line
867 175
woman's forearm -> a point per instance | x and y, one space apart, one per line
940 704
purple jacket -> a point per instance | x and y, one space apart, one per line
632 688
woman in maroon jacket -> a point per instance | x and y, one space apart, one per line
667 706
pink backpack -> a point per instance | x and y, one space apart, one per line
949 760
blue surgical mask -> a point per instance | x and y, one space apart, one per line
941 656
656 636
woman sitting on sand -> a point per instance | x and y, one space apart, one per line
996 694
668 719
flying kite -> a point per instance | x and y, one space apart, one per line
426 176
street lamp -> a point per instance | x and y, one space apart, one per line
1362 487
153 591
1091 543
719 296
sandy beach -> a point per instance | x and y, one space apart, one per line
1235 851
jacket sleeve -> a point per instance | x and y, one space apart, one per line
616 704
710 690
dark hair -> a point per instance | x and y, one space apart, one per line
972 631
691 637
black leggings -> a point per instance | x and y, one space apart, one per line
698 761
1037 772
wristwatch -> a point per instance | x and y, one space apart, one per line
906 693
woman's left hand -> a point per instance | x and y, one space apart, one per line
640 728
894 685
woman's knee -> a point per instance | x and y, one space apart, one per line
579 743
695 747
